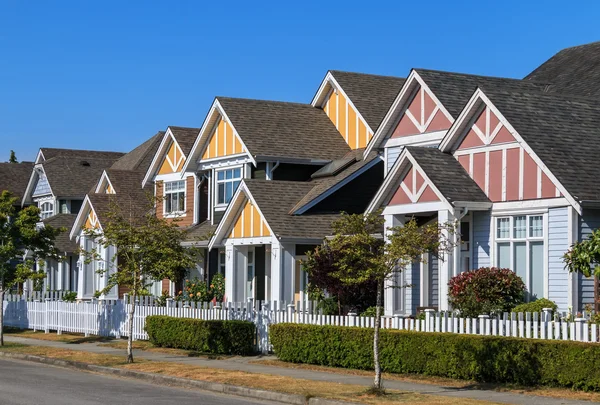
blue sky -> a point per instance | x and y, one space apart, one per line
107 75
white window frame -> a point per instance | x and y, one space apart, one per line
511 240
250 264
219 205
222 258
46 213
166 213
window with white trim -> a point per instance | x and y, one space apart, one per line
175 197
520 247
46 210
221 267
227 182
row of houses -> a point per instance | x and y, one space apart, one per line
259 183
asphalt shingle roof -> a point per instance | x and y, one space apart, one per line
447 175
62 242
200 233
185 137
372 95
14 178
280 129
141 157
574 70
276 198
50 153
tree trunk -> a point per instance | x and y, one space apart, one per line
1 316
131 314
377 384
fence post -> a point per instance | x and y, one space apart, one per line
547 314
428 318
290 309
482 324
352 318
579 329
47 316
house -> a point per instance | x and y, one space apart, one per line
14 178
512 162
57 185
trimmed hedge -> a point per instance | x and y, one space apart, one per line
219 337
470 357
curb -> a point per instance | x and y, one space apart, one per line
179 382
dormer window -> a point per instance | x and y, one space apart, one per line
46 210
175 197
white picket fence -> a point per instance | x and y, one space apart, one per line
110 318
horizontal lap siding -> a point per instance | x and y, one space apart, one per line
412 296
589 222
392 155
558 243
481 239
433 281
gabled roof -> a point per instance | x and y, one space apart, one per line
63 242
275 129
574 70
49 153
14 178
372 95
140 157
322 186
185 137
199 234
127 182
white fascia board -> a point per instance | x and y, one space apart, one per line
103 178
40 157
404 209
159 153
336 187
323 90
32 179
235 204
531 204
463 118
431 184
384 188
425 139
79 219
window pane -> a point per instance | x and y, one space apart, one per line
228 174
503 255
228 192
235 185
168 204
520 227
237 173
536 226
221 194
536 259
503 225
520 260
221 175
181 206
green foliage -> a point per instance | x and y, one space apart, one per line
162 300
470 357
194 290
13 157
70 296
485 291
217 287
536 306
219 337
584 256
371 311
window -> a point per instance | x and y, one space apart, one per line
227 182
221 268
46 210
520 247
175 197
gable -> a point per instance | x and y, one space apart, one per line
91 221
223 141
173 161
109 189
498 162
42 187
347 119
413 188
422 115
249 223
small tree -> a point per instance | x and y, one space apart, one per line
13 157
584 256
148 249
19 234
359 254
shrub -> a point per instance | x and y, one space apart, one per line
372 311
219 337
536 306
217 287
70 296
486 291
470 357
195 290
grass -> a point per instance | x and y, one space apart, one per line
149 347
65 354
74 338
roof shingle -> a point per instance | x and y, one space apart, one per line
14 178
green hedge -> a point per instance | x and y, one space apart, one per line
470 357
219 337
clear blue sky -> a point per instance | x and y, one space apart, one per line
107 75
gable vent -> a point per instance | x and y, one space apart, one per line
85 163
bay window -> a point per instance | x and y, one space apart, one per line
46 210
520 248
227 182
175 197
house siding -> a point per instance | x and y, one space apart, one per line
412 277
434 284
558 243
42 187
589 221
481 239
392 156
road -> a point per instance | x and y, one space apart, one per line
24 383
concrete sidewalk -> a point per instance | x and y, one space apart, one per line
245 364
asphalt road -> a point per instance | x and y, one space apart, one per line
24 383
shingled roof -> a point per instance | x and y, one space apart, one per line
455 89
275 200
63 242
574 70
185 137
14 178
372 95
564 131
50 153
284 130
447 175
141 157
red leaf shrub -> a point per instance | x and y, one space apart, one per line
488 290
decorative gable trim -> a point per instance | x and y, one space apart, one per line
86 216
476 127
176 162
243 219
40 157
400 109
33 179
104 185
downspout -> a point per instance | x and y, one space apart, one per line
272 170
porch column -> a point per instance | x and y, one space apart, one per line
81 269
276 291
229 266
392 296
288 266
60 277
446 262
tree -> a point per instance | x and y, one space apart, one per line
148 249
359 254
19 234
584 256
13 157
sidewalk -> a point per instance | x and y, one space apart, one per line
244 364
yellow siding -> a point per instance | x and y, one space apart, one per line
342 117
249 224
223 142
352 128
362 135
92 221
109 189
173 161
345 118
